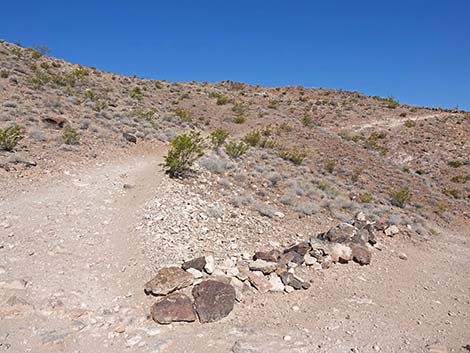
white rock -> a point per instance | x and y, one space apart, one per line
289 289
361 216
276 283
263 266
341 252
309 260
392 230
210 264
287 338
232 272
14 284
131 342
2 270
194 272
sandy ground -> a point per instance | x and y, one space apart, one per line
70 281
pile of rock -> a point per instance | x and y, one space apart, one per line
216 288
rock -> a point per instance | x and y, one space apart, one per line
361 216
403 256
195 273
327 261
238 286
260 282
289 279
361 254
289 289
131 342
2 270
263 266
340 234
213 300
173 308
271 256
18 159
288 257
438 348
319 246
391 230
300 248
16 284
341 253
269 344
232 271
309 260
276 283
129 137
56 121
209 267
167 280
197 263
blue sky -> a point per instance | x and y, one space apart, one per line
417 51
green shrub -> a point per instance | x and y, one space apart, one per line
91 95
365 197
392 103
295 156
236 149
460 179
80 73
410 123
452 193
401 197
184 115
308 121
18 52
185 149
253 138
9 138
239 119
222 100
455 164
218 138
239 109
136 93
70 137
4 74
273 104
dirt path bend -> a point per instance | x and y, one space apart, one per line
67 251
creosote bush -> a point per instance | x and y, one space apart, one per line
70 137
236 149
184 151
401 197
218 138
9 138
409 123
295 156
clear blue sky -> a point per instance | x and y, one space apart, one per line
416 50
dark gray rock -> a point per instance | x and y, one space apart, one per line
213 300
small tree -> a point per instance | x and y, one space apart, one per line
184 151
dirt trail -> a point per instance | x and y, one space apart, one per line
391 123
71 241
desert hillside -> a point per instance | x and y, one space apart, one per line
340 221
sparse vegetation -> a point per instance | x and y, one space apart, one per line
455 164
239 119
410 123
236 149
70 137
391 102
401 197
461 179
330 165
184 151
184 115
452 193
295 155
218 138
136 93
9 138
253 138
365 197
308 121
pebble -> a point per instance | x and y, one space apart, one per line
287 338
210 264
403 256
131 342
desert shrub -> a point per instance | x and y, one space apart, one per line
455 164
273 104
460 178
40 50
239 119
288 198
253 138
185 149
184 115
9 138
158 85
391 102
274 178
91 95
80 73
214 164
365 197
373 142
308 121
409 123
307 208
239 109
452 193
221 99
401 197
70 137
266 210
403 114
236 149
295 156
330 165
4 74
218 138
241 200
18 52
136 93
